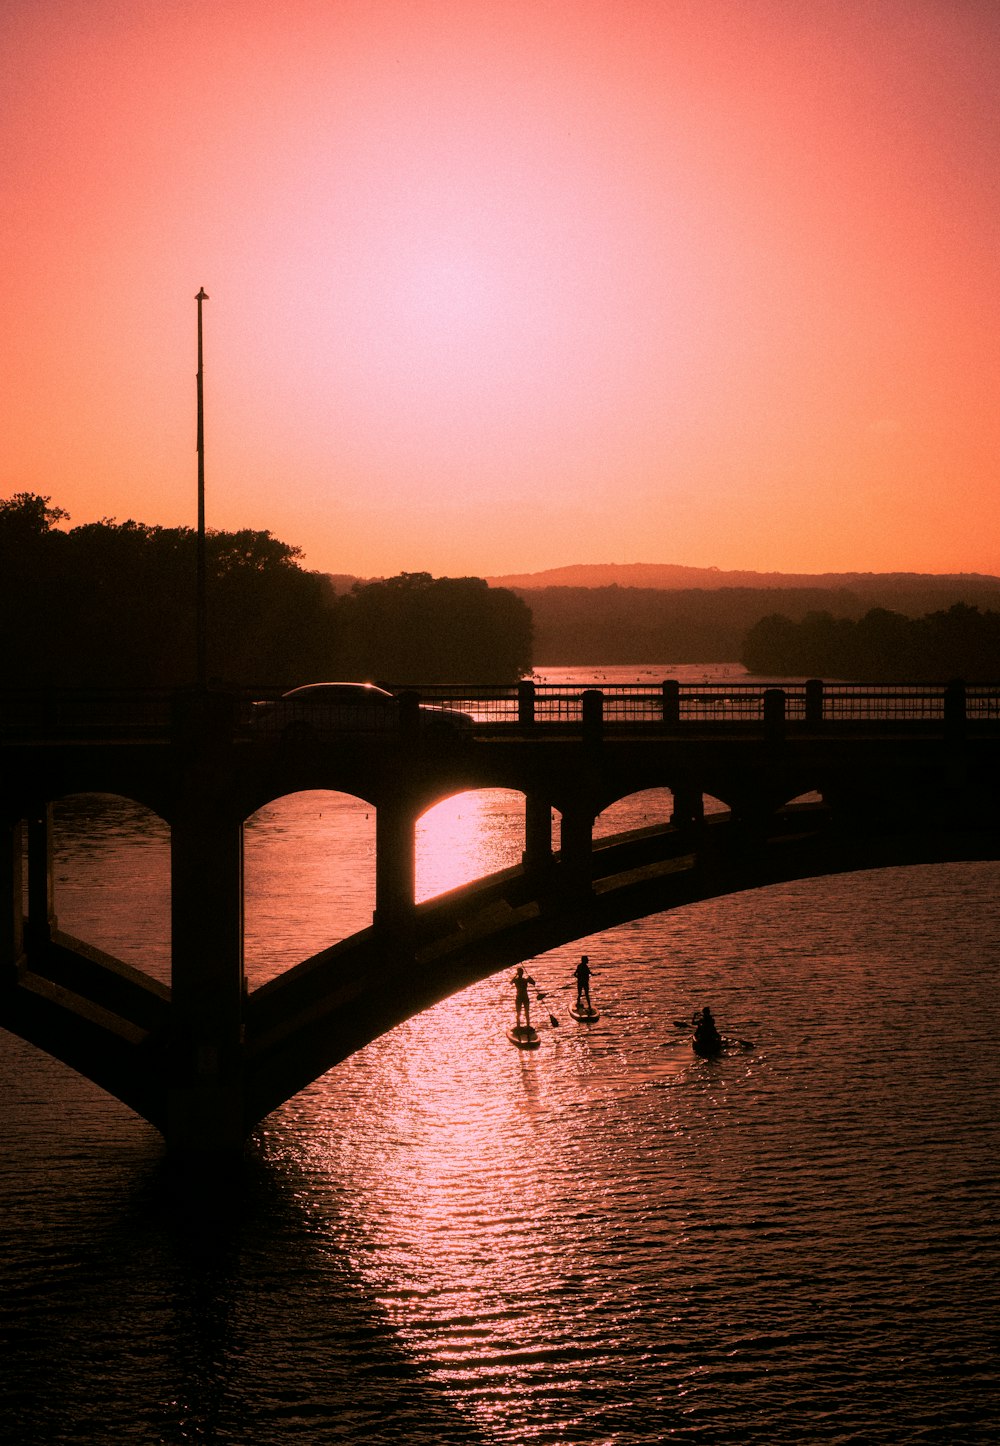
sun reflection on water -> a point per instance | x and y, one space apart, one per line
466 836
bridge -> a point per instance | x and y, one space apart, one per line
810 779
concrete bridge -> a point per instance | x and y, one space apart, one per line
814 779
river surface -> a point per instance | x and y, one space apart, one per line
606 1242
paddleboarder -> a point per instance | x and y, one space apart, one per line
520 982
582 974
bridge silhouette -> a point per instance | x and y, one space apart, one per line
815 780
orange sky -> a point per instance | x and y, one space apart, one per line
501 285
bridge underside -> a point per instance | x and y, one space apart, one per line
114 1025
328 1007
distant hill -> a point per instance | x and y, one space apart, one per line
673 577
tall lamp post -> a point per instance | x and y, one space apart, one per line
201 617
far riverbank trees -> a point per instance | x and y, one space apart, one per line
113 604
881 647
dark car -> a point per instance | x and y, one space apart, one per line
323 710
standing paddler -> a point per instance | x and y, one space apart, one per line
522 1002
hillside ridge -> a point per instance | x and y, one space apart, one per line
675 577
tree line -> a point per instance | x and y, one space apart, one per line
113 604
881 647
623 625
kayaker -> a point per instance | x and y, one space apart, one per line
707 1039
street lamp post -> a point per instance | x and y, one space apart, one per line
201 612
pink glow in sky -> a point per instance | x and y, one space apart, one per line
503 285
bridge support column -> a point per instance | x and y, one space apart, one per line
205 1113
11 897
41 879
576 840
537 853
395 865
689 808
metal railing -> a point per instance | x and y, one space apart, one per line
797 702
51 713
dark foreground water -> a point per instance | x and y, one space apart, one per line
447 1240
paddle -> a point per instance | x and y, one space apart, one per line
552 1019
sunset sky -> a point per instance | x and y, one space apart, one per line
502 285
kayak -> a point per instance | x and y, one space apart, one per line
585 1016
525 1036
708 1048
712 1049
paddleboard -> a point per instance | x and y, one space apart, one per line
585 1016
524 1036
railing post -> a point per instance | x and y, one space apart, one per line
525 702
593 715
774 713
814 702
954 708
671 690
409 713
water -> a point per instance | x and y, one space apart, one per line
447 1240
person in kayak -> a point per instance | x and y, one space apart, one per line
520 982
707 1039
582 974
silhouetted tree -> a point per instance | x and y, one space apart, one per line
417 628
112 603
881 647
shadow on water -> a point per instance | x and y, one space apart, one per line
177 1310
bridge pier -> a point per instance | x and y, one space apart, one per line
536 856
576 851
689 807
395 864
41 878
11 896
205 1095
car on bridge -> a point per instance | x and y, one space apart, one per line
325 710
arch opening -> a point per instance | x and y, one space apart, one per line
111 878
468 835
647 808
309 878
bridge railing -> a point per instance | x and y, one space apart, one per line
101 712
802 702
48 713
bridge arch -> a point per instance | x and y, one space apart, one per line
264 791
